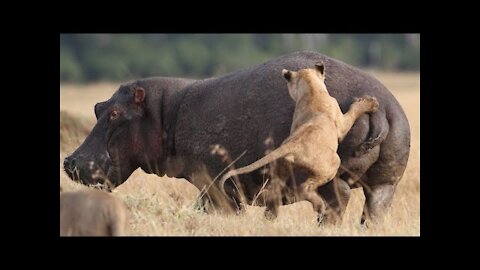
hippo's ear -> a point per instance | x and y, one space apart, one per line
139 95
287 74
320 67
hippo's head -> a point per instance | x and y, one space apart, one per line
123 139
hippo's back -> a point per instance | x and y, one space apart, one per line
240 110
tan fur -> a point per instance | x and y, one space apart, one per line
317 128
92 213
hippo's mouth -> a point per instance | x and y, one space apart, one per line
89 173
91 177
102 186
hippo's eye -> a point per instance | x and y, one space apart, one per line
114 115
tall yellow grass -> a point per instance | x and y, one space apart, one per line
163 206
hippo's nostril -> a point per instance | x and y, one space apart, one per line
66 162
69 163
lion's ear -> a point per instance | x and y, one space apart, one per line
287 74
320 67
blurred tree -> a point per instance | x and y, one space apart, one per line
89 57
69 68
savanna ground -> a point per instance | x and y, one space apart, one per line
163 206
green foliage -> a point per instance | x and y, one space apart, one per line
69 67
90 57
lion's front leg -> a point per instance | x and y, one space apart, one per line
365 104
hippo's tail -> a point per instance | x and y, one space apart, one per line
378 132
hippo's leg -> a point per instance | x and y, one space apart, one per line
382 177
212 198
275 188
273 198
235 196
203 204
380 183
378 200
336 194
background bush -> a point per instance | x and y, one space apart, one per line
92 57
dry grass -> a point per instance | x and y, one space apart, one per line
164 206
73 130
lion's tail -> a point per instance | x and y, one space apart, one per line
272 156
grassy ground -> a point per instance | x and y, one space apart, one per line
164 206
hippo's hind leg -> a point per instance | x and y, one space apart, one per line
273 200
203 204
383 176
336 194
378 200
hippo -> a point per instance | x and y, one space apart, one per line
176 126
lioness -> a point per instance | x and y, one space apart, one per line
317 128
92 213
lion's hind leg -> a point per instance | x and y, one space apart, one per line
308 192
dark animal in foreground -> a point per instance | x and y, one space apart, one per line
168 125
